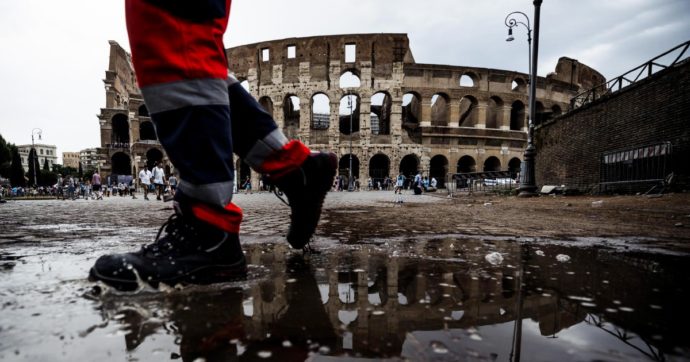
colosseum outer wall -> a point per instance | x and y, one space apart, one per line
406 116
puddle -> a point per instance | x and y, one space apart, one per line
436 299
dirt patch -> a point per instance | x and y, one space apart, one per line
660 222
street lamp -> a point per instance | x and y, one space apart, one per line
39 132
349 179
528 185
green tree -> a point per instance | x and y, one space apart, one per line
5 158
81 170
46 166
17 170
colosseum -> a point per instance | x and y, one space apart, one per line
362 95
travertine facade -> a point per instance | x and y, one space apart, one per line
405 115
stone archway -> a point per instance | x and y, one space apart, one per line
121 164
379 167
153 156
438 169
409 165
492 164
344 165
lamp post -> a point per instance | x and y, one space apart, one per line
349 179
39 132
528 185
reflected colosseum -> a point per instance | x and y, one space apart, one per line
362 94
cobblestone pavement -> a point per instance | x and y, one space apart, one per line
431 278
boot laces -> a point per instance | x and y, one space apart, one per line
176 233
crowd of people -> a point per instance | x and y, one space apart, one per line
155 182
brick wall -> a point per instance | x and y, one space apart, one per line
656 109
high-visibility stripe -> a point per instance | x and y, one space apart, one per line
231 80
217 194
289 158
227 218
263 148
186 93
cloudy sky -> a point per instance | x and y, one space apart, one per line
55 53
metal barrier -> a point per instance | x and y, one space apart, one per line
635 169
641 72
486 181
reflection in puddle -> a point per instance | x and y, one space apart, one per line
360 302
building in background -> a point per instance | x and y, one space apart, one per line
44 152
89 159
70 159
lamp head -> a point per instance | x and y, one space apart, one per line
510 35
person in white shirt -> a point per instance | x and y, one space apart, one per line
145 180
158 180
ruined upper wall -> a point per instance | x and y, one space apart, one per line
382 50
120 81
571 71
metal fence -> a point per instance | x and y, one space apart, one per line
660 62
486 181
635 169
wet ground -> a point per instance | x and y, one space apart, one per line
428 279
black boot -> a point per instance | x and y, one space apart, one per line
306 188
191 252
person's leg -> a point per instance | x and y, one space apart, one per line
180 64
305 177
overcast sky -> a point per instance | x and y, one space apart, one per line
55 53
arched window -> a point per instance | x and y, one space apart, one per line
468 111
517 116
120 130
349 114
291 116
440 109
320 111
468 80
380 113
379 166
349 80
143 111
147 131
493 112
267 104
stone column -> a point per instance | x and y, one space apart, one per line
454 113
504 123
425 116
481 115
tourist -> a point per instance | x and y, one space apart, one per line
96 185
189 103
158 180
399 183
172 182
247 185
145 181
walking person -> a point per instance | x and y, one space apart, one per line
158 180
399 183
247 185
96 185
172 182
181 67
145 181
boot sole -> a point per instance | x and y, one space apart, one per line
325 184
204 275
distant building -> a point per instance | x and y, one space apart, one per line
70 159
44 152
89 158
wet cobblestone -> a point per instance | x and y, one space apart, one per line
410 281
